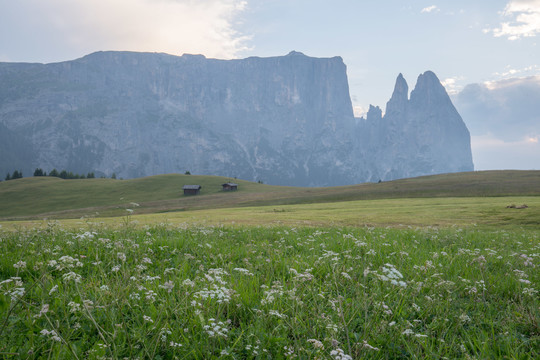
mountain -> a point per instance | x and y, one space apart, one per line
418 136
284 120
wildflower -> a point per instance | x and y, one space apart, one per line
146 260
243 271
51 334
407 332
163 334
121 256
276 313
367 346
175 345
20 265
216 329
339 354
346 276
104 288
169 285
529 291
150 295
316 343
464 318
148 319
53 289
188 282
44 309
72 276
74 307
16 293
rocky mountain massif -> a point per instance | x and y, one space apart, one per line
284 120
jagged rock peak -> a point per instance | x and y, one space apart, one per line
296 53
428 88
374 113
400 97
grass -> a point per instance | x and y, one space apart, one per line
54 198
282 292
480 212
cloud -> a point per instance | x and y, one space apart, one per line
171 26
453 85
508 109
432 8
525 20
492 153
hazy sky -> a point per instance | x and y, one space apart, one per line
462 41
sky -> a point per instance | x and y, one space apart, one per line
485 49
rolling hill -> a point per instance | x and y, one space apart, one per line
54 198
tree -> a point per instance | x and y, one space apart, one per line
16 175
63 174
90 175
187 173
113 176
39 172
54 173
8 177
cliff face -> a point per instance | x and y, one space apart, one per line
284 120
422 135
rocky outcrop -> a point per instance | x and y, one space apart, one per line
422 135
283 120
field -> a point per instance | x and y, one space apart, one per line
433 267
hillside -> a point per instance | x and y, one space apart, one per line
45 197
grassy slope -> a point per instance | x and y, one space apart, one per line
57 198
442 200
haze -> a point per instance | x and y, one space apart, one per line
484 52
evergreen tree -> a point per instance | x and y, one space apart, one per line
63 174
8 177
17 175
90 175
39 172
54 173
113 176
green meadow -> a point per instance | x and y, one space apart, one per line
433 267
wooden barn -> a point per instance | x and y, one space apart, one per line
230 187
192 189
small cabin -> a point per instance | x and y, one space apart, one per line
192 189
229 187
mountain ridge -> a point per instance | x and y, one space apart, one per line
282 120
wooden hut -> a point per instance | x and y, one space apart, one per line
192 189
229 187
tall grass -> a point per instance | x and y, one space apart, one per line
268 293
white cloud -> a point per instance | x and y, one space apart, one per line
525 20
172 26
453 85
359 111
432 8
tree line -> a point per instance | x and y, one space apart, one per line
64 174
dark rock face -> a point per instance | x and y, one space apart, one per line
284 120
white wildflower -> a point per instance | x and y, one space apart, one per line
339 354
148 319
121 256
169 285
316 343
367 346
20 265
71 276
53 289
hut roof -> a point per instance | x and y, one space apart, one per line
229 184
192 187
